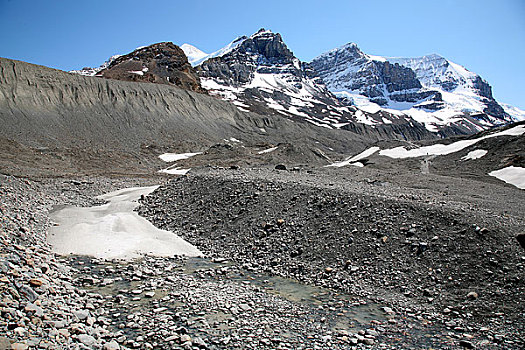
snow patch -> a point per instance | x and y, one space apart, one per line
175 171
476 154
355 159
114 230
511 175
268 150
172 157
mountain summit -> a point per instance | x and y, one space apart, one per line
260 73
429 89
345 88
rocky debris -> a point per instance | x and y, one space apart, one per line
234 302
335 237
161 63
42 305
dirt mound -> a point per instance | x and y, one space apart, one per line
161 63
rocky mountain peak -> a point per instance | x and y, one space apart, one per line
163 63
265 46
429 89
350 69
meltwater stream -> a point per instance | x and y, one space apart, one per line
113 230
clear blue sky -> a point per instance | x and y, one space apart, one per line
486 36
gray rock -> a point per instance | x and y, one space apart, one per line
87 339
111 345
81 314
28 293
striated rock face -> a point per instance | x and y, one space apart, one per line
161 63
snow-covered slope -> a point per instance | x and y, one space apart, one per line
194 54
514 112
429 89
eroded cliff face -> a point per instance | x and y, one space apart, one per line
45 108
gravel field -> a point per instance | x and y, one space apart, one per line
452 261
315 259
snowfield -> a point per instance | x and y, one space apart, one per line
511 175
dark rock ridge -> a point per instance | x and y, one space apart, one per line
162 63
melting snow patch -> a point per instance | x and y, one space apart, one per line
267 150
172 157
475 154
355 159
512 175
138 72
174 171
114 230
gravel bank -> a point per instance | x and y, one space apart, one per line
448 264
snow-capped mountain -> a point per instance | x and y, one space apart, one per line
259 73
343 88
430 89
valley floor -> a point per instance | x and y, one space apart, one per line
318 259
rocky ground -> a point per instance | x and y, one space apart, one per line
446 259
296 260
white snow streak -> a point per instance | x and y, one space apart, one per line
172 157
440 149
476 154
268 150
